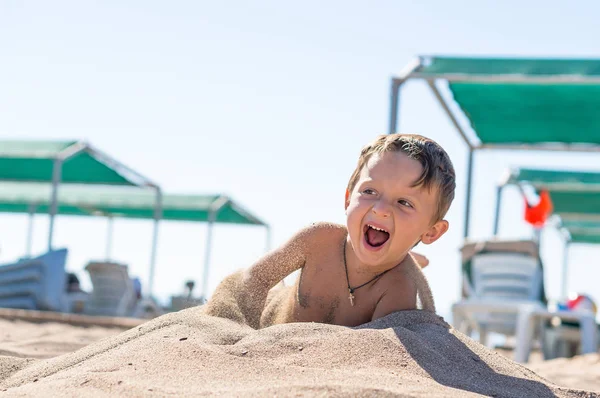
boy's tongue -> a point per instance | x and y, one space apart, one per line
376 238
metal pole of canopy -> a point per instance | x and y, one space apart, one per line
29 242
446 108
454 121
499 189
157 217
509 78
109 233
468 198
212 218
565 266
56 176
395 93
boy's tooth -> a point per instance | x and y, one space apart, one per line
378 229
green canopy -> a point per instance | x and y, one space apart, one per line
583 231
120 202
575 197
68 162
524 101
128 202
556 180
584 204
34 161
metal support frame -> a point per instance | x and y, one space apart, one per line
499 190
565 267
215 207
29 242
457 126
157 217
56 176
395 92
468 193
130 175
394 99
508 78
438 95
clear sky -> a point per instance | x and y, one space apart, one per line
268 102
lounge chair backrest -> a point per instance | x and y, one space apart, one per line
37 283
505 275
113 293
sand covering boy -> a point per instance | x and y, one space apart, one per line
397 197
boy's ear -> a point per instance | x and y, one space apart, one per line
435 232
347 200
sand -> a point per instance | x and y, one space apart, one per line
581 371
408 354
28 339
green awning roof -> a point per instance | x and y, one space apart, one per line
556 180
583 231
575 203
575 196
531 114
524 102
120 202
33 161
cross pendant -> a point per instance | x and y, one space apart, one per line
351 297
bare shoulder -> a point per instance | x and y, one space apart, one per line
322 232
324 227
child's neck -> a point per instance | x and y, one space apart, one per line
362 271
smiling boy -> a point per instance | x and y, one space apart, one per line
397 197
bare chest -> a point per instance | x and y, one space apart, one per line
322 296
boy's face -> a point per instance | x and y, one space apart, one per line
386 215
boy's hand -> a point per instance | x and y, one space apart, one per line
421 259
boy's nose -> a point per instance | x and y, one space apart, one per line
381 209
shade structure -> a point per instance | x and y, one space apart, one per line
557 180
128 202
515 101
66 162
583 231
34 161
512 103
575 197
80 200
71 162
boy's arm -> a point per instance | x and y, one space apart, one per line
403 296
247 290
402 292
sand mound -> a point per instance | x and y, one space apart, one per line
408 353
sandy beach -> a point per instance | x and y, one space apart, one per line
187 353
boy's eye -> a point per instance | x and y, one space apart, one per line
369 191
405 203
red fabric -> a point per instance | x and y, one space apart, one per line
538 214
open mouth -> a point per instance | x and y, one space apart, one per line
375 236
